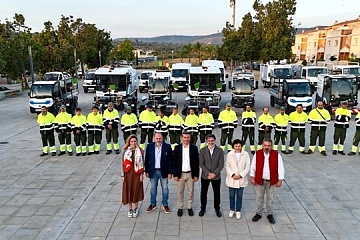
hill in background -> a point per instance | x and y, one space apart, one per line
215 38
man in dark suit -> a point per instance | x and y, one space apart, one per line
211 163
158 166
186 171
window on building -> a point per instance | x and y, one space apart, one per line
314 44
329 43
336 43
356 41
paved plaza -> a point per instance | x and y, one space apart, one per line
73 198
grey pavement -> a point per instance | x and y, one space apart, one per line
80 197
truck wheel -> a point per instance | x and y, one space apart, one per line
86 90
272 101
32 110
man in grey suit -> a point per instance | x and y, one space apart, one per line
211 163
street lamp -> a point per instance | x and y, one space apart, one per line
232 5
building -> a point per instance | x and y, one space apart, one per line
341 40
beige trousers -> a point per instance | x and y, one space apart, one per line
189 182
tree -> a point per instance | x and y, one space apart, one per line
187 50
197 47
123 51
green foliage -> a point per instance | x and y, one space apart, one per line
123 51
304 62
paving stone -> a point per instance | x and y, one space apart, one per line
98 230
25 234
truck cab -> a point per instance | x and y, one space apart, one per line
144 80
220 65
269 71
180 75
55 89
350 69
116 83
291 92
311 72
242 89
333 89
89 81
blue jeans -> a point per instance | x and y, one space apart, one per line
236 193
164 186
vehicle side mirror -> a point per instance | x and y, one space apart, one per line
233 88
268 74
139 77
229 84
29 94
227 75
187 77
256 84
146 83
128 82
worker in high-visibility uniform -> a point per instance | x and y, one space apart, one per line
206 125
266 124
176 125
94 125
46 120
129 123
62 126
297 120
162 123
319 119
111 121
281 122
356 138
78 126
191 126
248 120
227 121
147 125
342 119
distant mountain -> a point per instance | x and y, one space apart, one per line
215 38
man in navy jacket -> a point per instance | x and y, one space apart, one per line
186 171
158 166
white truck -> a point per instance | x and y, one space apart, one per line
219 64
242 89
349 69
89 81
144 80
311 72
180 75
268 71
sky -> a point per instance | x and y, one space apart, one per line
145 18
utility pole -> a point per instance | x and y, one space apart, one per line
31 65
76 72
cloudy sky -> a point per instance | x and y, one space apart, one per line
145 18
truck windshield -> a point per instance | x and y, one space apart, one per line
158 84
206 82
300 89
354 71
90 76
243 85
51 76
104 82
343 86
282 72
145 76
41 91
179 73
314 72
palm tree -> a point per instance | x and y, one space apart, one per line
197 48
187 50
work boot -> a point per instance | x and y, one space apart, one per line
78 154
61 153
70 153
323 153
108 152
341 153
351 153
334 152
53 154
117 151
90 153
253 152
310 151
83 154
96 152
43 154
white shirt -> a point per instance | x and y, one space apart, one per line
266 170
211 150
237 157
186 158
158 156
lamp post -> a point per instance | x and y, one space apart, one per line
232 5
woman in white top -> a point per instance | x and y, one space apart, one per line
237 167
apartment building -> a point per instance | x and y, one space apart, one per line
341 40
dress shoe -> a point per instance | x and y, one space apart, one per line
96 152
284 152
290 151
108 152
83 154
310 151
166 209
180 212
334 152
117 151
150 208
271 218
43 154
53 154
90 153
323 153
351 153
256 217
218 213
341 153
61 153
252 152
78 154
202 212
303 152
190 212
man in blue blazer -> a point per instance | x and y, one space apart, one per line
186 171
158 166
